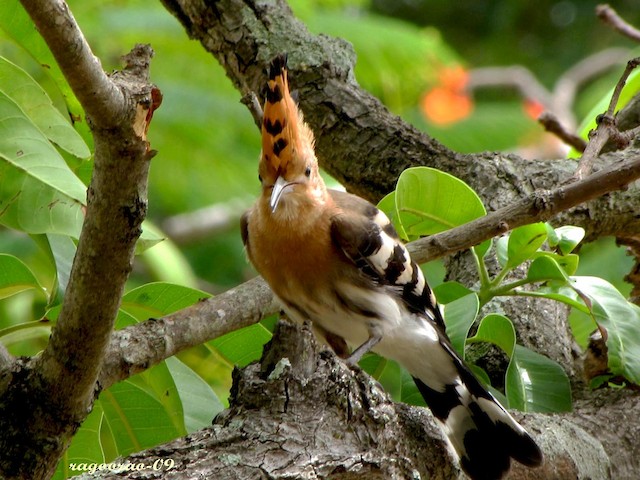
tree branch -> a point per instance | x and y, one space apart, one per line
552 124
136 348
98 95
119 109
609 16
303 410
607 128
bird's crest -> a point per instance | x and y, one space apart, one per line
285 136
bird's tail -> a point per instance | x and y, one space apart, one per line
485 436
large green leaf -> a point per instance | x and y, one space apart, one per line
17 24
155 300
621 320
569 237
15 277
389 207
447 292
241 347
524 242
459 315
395 379
158 382
136 419
199 403
18 85
38 192
63 251
534 383
85 446
431 201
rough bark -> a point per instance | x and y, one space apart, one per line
302 413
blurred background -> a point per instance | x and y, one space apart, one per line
428 61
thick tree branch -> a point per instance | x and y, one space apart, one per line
302 410
136 348
35 432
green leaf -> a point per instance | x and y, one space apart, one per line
387 372
620 319
552 236
17 24
136 419
38 192
85 446
63 250
151 236
155 300
524 242
241 347
582 326
158 382
449 291
536 383
545 268
388 206
199 403
15 277
431 201
459 315
18 85
496 329
26 338
410 393
569 238
394 379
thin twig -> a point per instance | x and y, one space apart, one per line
205 222
606 128
552 124
250 99
609 16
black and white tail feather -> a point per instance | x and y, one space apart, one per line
483 434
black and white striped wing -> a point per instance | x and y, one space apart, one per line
367 237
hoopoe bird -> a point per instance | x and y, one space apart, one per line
335 259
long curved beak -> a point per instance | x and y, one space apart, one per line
276 194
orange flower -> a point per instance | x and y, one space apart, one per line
448 102
533 108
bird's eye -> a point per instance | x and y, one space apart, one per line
307 172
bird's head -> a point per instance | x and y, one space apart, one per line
288 166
